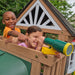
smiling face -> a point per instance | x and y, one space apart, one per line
9 19
33 39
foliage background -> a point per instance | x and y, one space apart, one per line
64 8
17 5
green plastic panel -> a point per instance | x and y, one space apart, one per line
12 65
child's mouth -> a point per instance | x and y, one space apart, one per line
12 26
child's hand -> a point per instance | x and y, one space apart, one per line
58 55
42 38
39 45
22 37
1 37
9 40
12 40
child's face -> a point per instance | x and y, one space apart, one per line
33 39
9 19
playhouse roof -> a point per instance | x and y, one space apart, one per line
61 18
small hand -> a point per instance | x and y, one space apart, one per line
58 55
22 37
9 40
39 45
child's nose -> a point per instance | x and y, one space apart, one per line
11 20
36 39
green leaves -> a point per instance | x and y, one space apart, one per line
64 8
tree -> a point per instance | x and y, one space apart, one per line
64 8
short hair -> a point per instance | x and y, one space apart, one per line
32 29
7 12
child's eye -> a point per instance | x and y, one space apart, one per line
6 19
13 18
35 36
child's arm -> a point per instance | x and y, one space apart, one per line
20 36
13 33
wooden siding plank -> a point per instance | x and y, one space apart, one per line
60 67
47 70
53 69
63 65
35 68
47 30
57 68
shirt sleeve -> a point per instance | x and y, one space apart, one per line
18 30
5 33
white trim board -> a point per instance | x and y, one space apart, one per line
38 5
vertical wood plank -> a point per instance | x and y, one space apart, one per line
57 68
35 68
47 70
63 65
30 17
60 67
53 69
36 14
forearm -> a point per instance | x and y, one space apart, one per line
13 33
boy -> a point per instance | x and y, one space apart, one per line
9 19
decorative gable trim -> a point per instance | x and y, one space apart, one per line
62 26
38 15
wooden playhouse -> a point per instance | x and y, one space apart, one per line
43 14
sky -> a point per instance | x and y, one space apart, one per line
71 2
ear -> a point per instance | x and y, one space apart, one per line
3 21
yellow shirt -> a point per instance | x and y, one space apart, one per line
7 29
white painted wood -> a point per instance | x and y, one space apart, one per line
26 21
30 17
36 14
56 27
41 18
36 5
46 22
19 22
